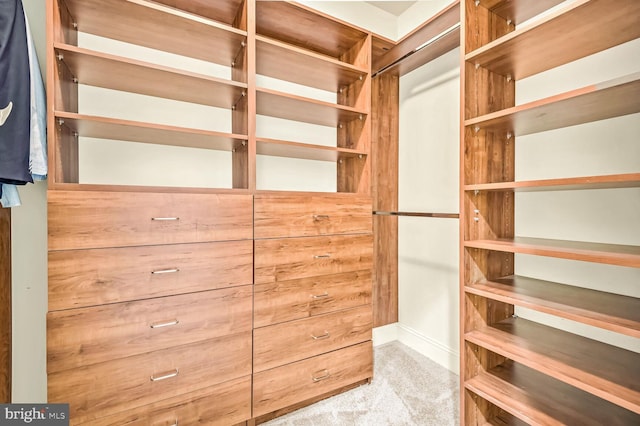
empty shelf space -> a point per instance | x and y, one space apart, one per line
222 11
603 370
290 63
280 148
535 48
540 400
297 108
613 254
609 99
134 131
157 26
129 75
301 26
627 180
519 10
609 311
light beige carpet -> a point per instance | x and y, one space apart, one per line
407 389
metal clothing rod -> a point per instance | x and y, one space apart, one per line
419 214
419 48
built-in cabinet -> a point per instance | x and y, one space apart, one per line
209 304
514 370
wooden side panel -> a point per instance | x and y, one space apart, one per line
5 305
241 114
384 189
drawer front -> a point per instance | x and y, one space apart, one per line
292 341
92 277
110 387
93 219
284 386
79 337
221 405
294 258
296 299
278 216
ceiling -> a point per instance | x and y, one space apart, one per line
393 7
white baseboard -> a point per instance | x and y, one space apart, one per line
436 351
385 334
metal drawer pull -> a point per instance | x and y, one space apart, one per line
175 423
155 378
325 376
322 336
322 256
320 296
320 217
165 219
164 324
165 271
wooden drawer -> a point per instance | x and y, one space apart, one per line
293 258
292 341
284 386
79 337
278 216
91 277
110 387
93 219
290 300
221 405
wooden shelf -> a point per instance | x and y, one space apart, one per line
536 47
609 311
279 148
411 47
129 75
540 400
290 63
518 10
628 180
159 27
605 371
613 254
609 99
134 131
304 27
297 108
222 11
58 186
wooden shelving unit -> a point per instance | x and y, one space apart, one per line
513 369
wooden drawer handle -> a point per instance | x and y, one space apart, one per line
320 296
318 217
164 376
322 256
164 324
325 376
165 219
165 271
326 335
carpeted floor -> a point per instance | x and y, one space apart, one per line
407 390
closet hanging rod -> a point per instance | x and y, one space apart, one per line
419 214
427 43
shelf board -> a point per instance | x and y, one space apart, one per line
540 400
579 26
411 49
628 180
609 311
280 148
221 11
606 371
297 108
609 99
60 186
134 131
613 254
130 75
302 26
518 11
290 63
379 47
156 26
